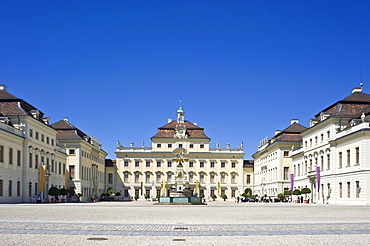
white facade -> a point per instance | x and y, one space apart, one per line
338 143
26 143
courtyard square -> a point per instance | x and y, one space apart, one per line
218 223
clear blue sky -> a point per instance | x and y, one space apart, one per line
243 69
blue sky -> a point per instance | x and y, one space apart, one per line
243 69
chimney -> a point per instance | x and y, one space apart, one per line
65 119
169 120
294 121
3 88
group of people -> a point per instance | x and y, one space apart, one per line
36 199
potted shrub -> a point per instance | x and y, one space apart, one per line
63 193
297 192
305 191
147 196
118 194
136 197
281 197
224 197
214 197
93 197
54 191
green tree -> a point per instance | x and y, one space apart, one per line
110 191
305 191
296 192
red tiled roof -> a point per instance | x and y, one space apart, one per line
349 106
168 131
67 131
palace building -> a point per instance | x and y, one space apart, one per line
333 160
144 171
30 160
85 160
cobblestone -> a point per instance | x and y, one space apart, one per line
219 223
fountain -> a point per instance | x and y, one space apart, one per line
180 192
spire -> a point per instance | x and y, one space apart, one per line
180 114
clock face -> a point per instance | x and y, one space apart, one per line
181 131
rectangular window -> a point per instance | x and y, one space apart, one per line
147 163
36 189
191 178
340 159
322 137
328 162
232 193
348 189
180 145
60 168
10 187
19 158
72 171
322 162
125 177
1 153
316 140
52 142
169 163
47 140
299 169
30 160
31 133
42 137
191 146
202 146
1 187
159 164
286 173
223 164
147 178
286 153
348 158
110 178
125 164
191 164
212 178
136 178
201 164
37 135
64 169
71 151
158 178
169 146
248 178
10 156
30 189
212 164
18 188
159 146
125 193
223 178
169 178
358 189
137 164
233 165
357 156
233 179
328 134
201 178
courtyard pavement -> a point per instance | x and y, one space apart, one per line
218 223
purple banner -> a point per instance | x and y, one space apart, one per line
318 178
291 182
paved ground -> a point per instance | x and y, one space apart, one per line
218 223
